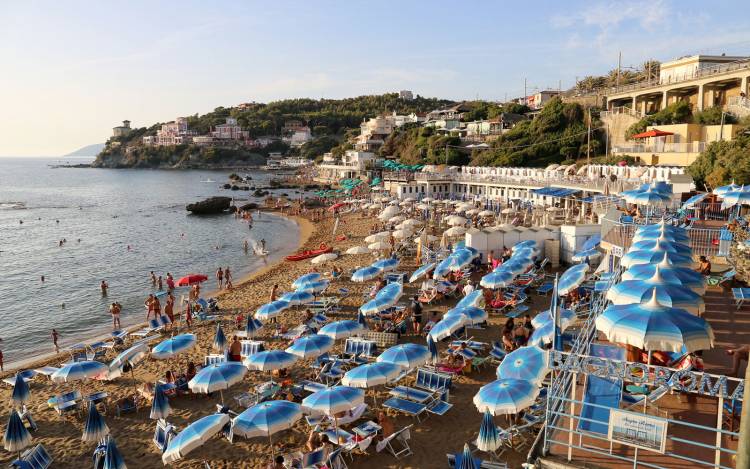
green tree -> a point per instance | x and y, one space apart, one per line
675 113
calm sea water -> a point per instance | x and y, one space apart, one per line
109 210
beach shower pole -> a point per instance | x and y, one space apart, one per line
743 447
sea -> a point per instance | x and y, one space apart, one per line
119 225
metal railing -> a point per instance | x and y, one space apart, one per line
619 110
739 101
662 147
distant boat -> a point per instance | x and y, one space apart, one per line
209 180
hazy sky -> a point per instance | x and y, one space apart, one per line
72 70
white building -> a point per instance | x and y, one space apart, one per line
688 67
121 130
300 136
538 100
230 130
171 133
353 164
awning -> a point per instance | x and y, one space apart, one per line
552 191
652 133
601 198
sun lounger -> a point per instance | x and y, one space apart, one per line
358 351
400 437
381 339
645 400
250 347
65 403
214 359
163 434
412 394
456 460
714 280
261 392
34 458
410 408
331 372
26 375
517 311
153 326
498 353
545 288
295 333
46 370
312 386
97 397
126 406
311 460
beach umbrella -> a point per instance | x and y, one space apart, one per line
473 314
427 200
266 418
526 363
191 279
466 461
79 371
460 259
311 346
506 396
529 243
633 258
515 265
130 356
544 334
489 437
387 297
361 319
408 356
297 297
382 236
323 258
371 374
411 223
592 242
358 250
17 436
220 340
567 317
662 246
160 408
475 298
486 213
171 347
21 391
94 429
497 279
432 346
688 277
455 220
571 279
421 272
365 273
638 291
313 287
341 329
252 327
447 326
385 265
739 197
694 200
272 309
379 246
307 278
674 236
193 436
722 190
526 252
442 269
648 197
269 360
333 400
217 377
455 231
652 325
662 277
582 256
402 233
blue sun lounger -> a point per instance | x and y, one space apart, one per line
412 394
599 397
410 408
34 458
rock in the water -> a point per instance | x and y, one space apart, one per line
227 186
249 206
210 205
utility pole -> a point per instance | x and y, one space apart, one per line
619 67
525 100
588 141
721 129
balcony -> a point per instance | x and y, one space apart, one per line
658 147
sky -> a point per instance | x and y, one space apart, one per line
70 71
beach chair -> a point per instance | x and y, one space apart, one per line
497 353
720 280
400 438
97 397
357 351
34 458
427 296
731 414
408 407
250 347
331 372
153 326
214 359
163 434
128 405
311 460
261 392
65 403
545 288
28 420
46 370
26 375
354 445
517 311
335 460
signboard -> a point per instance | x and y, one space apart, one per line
617 251
637 430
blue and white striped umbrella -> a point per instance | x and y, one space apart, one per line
466 460
272 309
528 363
633 258
442 269
460 259
738 197
648 197
220 340
333 400
660 276
475 298
313 287
371 374
269 360
489 437
566 318
497 279
654 326
515 265
217 377
112 458
447 326
307 278
385 265
530 253
543 334
473 314
95 428
311 346
297 297
171 347
421 272
79 371
193 436
341 329
638 291
160 408
592 242
661 225
252 327
387 297
663 234
662 246
506 396
433 348
582 256
692 201
529 243
17 436
131 356
722 190
365 273
266 418
571 279
361 319
21 391
409 356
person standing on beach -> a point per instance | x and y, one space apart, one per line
55 336
220 277
169 307
104 286
114 310
2 367
149 303
159 284
227 277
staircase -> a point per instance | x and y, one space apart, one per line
738 106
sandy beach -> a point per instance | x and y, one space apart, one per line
430 440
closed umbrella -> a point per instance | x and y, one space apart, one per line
408 356
95 428
432 346
269 360
17 436
341 329
311 346
160 408
571 279
506 396
365 273
220 340
466 461
21 391
272 309
526 363
252 327
421 272
193 436
171 347
489 437
112 458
